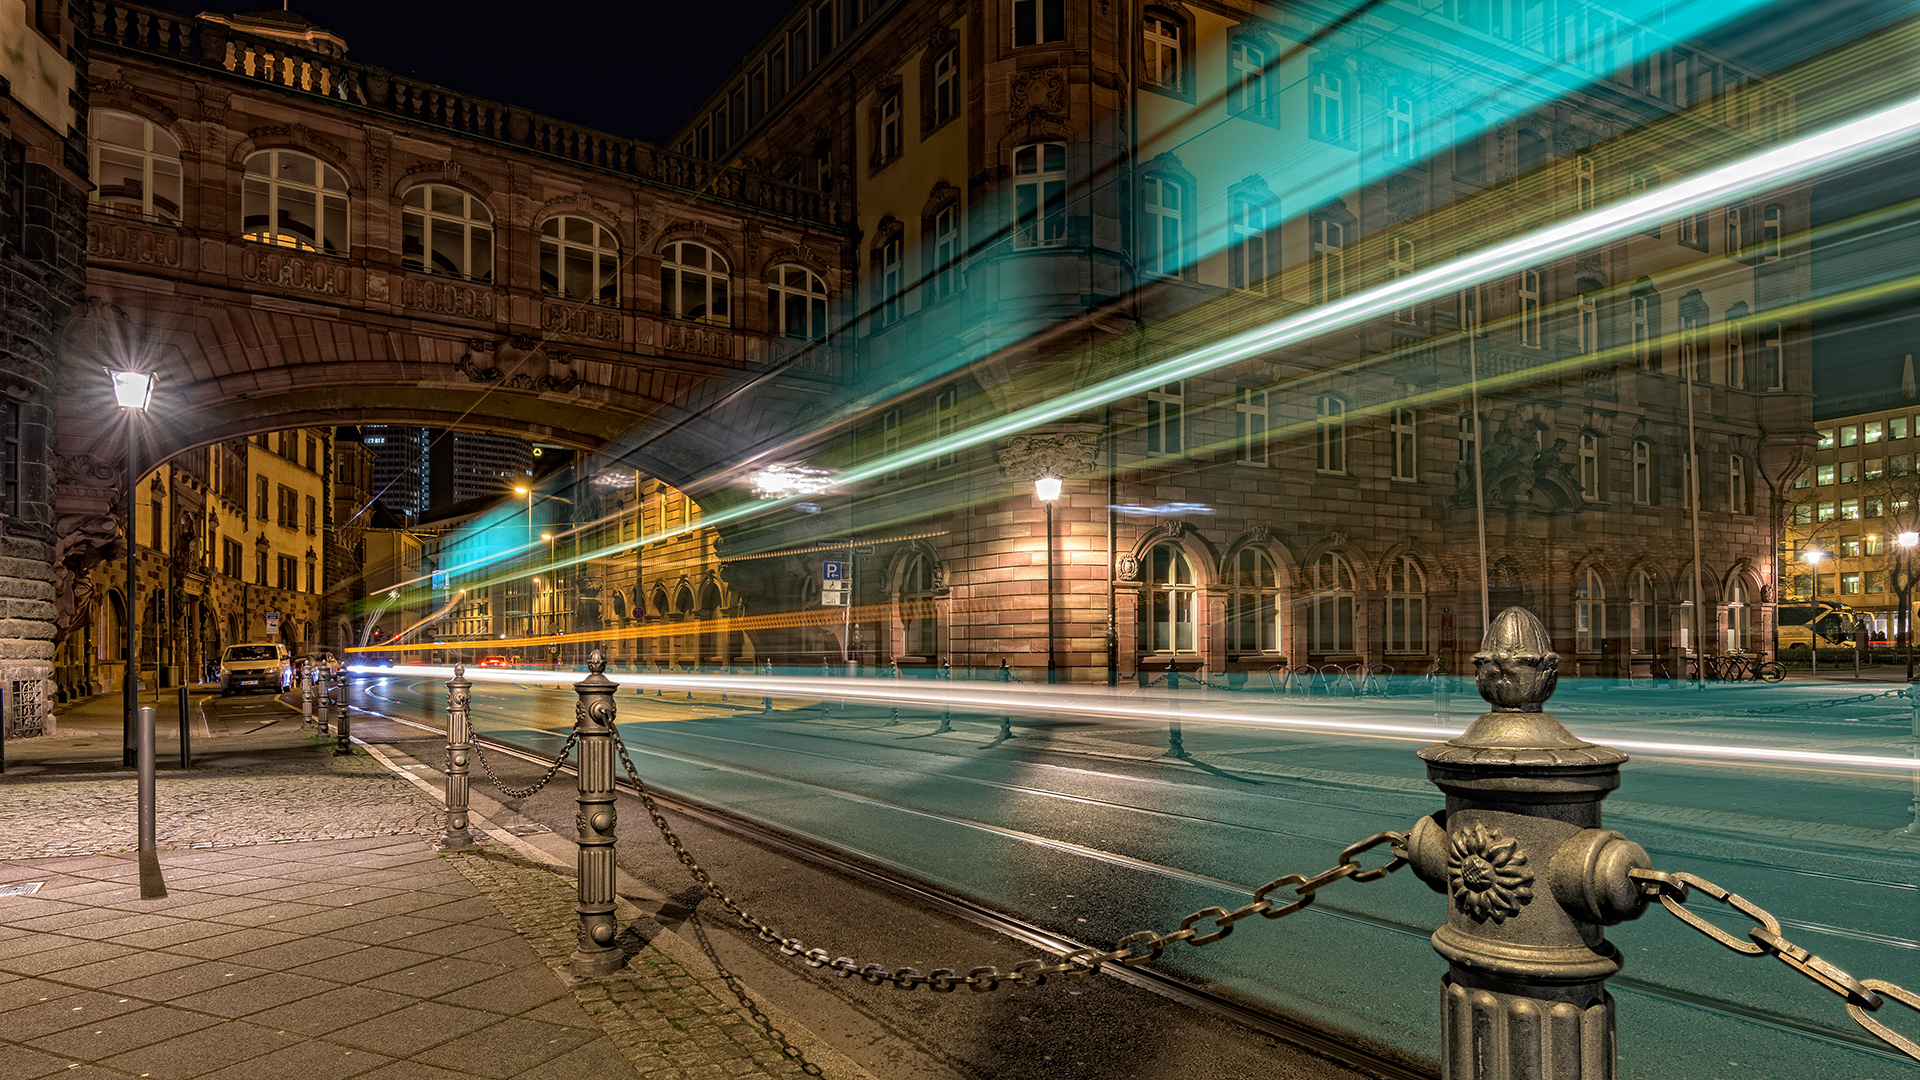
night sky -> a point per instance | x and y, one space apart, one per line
638 69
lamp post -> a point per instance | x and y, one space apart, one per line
1813 654
1907 542
1047 490
132 390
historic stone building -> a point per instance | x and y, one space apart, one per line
1051 194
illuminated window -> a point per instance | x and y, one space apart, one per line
1165 251
1247 89
1330 609
1166 611
294 200
444 230
1040 194
136 166
1530 308
1400 138
1874 468
1327 104
1589 466
1400 264
1823 475
1164 407
796 303
1247 242
1406 606
580 260
1160 51
1403 431
1036 22
1849 509
1328 268
1849 472
1253 605
1642 472
1330 433
1250 426
1849 434
1643 614
1823 439
1874 431
694 283
1590 611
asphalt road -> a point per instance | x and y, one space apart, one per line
1093 829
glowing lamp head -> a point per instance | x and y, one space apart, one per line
131 389
1047 488
546 536
519 491
1814 557
1908 539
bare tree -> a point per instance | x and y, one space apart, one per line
1861 517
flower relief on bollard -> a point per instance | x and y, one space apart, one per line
1529 875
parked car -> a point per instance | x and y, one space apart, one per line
497 661
255 666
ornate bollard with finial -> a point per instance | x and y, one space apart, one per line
593 719
1530 877
458 837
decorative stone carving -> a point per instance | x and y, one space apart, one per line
1037 96
446 298
1487 874
1126 568
303 136
580 320
519 354
802 254
126 241
1030 457
1259 534
319 274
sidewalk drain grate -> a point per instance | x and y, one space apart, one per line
24 888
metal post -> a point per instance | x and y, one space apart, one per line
1053 615
594 726
342 723
186 733
152 887
306 697
459 744
131 689
1173 676
325 715
1530 877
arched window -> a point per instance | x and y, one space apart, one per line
136 166
1590 611
1166 612
1739 617
294 200
1253 605
1247 79
1406 606
1330 610
693 284
683 602
1643 614
1162 51
579 260
796 303
444 230
917 616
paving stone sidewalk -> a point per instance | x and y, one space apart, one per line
363 955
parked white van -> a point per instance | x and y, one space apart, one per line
259 666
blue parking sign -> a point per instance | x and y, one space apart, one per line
831 571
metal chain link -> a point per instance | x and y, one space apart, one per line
1863 996
521 793
1824 703
1129 951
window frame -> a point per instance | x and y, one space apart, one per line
1255 623
1247 92
1589 611
1333 605
1251 423
1330 102
781 295
601 258
1327 258
426 218
1403 435
1406 610
1527 293
1160 50
1402 261
151 160
1044 22
673 301
1247 238
1330 434
1642 472
1047 206
1401 142
1162 218
1589 466
1165 426
1172 594
324 196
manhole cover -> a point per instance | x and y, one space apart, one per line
527 830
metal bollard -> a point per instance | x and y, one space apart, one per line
324 717
343 747
186 733
152 887
593 725
1173 676
458 836
306 697
1530 877
1913 700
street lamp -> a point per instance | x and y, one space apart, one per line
132 390
1907 541
1813 655
1047 490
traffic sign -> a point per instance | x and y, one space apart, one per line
833 598
273 622
832 571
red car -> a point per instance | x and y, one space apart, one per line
496 661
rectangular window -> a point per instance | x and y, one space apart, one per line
1250 426
1736 484
946 251
1823 475
1874 545
1329 260
1849 472
888 146
1769 359
1400 264
1823 439
1327 105
1770 231
1849 509
1849 434
1736 355
1040 194
946 86
1848 547
946 421
287 574
1160 47
892 282
1897 428
1400 144
1873 431
823 29
1875 468
1588 325
1165 253
1826 511
230 557
1403 429
1330 434
1248 93
1876 581
260 566
1850 582
311 578
1692 231
1642 329
1589 467
1642 472
1870 508
1530 308
260 498
1585 190
1164 406
1036 22
313 516
1247 244
1465 435
1803 514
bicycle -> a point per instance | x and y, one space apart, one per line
1738 665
